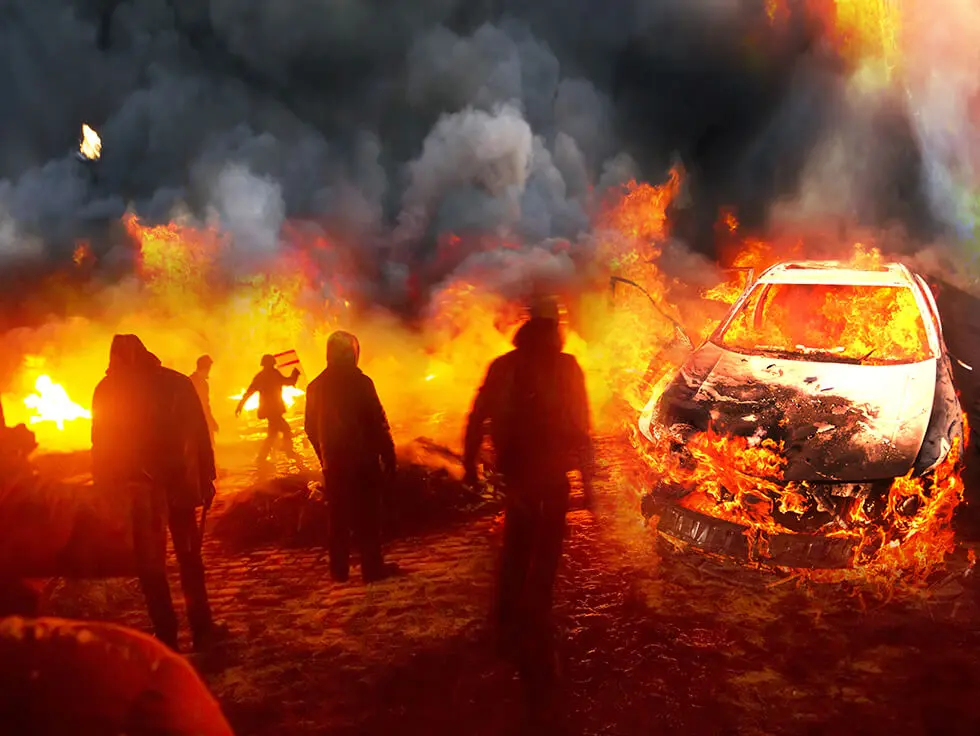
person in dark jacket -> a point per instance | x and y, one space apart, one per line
98 679
533 402
200 378
151 447
268 384
349 431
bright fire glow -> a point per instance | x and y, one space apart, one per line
184 303
91 145
51 404
289 396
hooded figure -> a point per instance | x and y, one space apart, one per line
200 380
349 431
151 448
533 402
89 677
268 384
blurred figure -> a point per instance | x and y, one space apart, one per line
534 401
98 679
22 597
349 431
200 380
268 384
150 444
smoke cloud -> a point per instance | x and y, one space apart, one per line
397 125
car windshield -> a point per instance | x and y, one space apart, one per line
836 323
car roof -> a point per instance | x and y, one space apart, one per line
837 273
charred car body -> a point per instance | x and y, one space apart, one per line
846 369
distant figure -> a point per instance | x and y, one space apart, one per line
150 443
534 401
98 679
349 431
16 444
268 384
200 380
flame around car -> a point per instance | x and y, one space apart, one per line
817 427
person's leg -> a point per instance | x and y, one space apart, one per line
338 515
549 536
186 541
268 442
368 501
150 550
515 557
286 435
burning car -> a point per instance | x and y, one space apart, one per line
821 408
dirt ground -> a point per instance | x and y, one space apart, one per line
651 643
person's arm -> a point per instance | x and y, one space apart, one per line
101 442
291 379
581 425
252 389
212 422
475 423
311 417
199 438
380 428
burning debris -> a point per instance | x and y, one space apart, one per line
51 404
90 148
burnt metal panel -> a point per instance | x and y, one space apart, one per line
705 532
809 551
727 538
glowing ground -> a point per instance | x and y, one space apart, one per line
651 644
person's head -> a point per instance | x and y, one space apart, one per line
268 361
127 353
545 307
343 350
204 364
543 327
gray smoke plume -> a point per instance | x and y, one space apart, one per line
397 124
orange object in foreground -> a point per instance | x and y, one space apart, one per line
89 679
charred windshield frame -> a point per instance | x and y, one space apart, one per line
758 294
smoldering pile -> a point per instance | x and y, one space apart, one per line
426 495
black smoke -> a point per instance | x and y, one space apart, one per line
397 122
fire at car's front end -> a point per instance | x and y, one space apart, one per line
815 426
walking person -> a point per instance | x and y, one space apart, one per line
347 426
533 404
151 448
200 378
268 384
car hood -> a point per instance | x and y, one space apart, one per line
838 421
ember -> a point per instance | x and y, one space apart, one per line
91 146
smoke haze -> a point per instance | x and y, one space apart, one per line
397 125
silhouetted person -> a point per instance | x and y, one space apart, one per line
268 384
98 679
534 403
150 445
21 597
200 380
349 431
